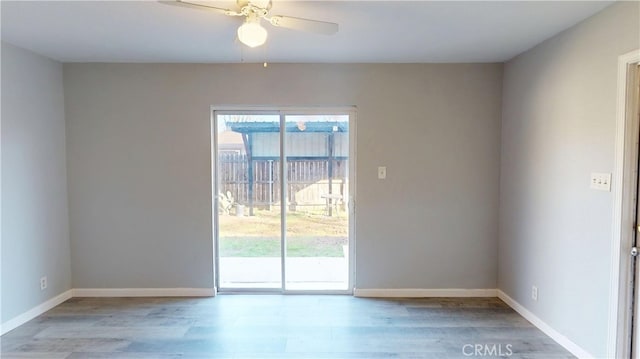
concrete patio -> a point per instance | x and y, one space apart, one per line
303 273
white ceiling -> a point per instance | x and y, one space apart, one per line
370 31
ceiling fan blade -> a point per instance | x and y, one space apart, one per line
200 5
296 23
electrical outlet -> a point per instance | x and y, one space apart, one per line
534 293
43 283
382 172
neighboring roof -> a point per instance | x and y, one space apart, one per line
230 138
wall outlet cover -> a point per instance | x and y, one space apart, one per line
600 181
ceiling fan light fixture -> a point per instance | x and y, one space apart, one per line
252 34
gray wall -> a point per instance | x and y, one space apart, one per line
140 181
35 229
559 108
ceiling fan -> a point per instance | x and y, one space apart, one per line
251 33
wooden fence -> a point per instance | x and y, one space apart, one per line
307 180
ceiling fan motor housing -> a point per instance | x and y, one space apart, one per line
262 4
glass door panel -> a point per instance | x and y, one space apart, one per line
248 216
317 195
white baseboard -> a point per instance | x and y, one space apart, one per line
376 293
103 292
144 292
423 293
34 312
544 327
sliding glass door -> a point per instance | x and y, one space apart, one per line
317 230
282 203
248 210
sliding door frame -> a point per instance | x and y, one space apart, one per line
215 180
282 112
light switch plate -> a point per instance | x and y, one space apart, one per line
601 181
382 172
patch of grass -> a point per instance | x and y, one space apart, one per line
270 246
299 224
309 234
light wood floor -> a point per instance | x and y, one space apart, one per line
279 326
